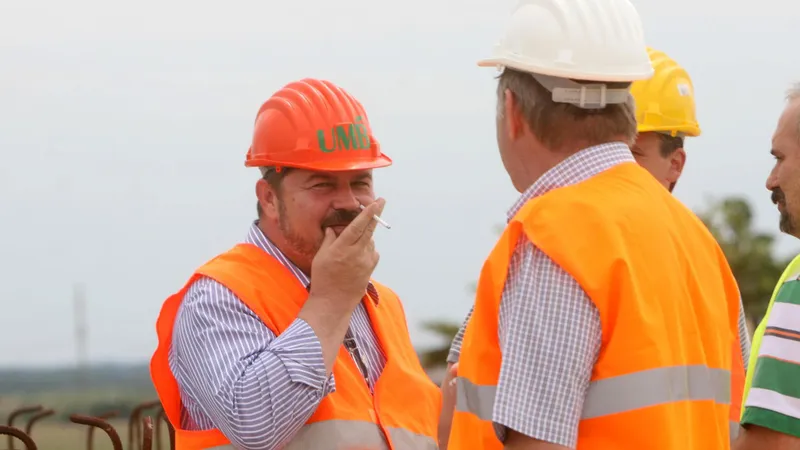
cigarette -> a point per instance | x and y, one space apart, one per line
379 220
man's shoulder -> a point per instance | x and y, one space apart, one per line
240 255
206 290
207 300
786 300
202 285
792 270
248 271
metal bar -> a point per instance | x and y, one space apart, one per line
99 423
147 438
16 413
90 431
160 416
171 436
19 434
35 418
134 423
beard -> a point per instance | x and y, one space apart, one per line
302 246
309 247
786 224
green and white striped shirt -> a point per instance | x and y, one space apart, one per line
774 398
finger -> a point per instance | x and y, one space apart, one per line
328 238
376 259
359 226
380 203
453 370
377 209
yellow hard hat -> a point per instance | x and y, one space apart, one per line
665 102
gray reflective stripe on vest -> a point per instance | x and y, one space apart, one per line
475 398
622 393
352 434
654 387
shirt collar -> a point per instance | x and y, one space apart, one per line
574 169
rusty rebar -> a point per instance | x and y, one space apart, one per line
147 435
99 423
90 430
16 413
134 423
19 434
171 435
35 418
160 416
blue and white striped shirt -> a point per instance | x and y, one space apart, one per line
235 375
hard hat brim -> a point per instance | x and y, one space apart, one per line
688 131
327 166
504 61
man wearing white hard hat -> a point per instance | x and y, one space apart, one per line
606 313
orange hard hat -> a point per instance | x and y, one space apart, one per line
315 125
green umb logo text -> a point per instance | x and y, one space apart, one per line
345 137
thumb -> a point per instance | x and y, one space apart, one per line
328 239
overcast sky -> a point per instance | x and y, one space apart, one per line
123 130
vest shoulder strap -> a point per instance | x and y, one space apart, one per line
265 285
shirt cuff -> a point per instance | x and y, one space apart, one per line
772 420
300 351
455 347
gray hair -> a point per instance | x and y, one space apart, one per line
792 94
561 125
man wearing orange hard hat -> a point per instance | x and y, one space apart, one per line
285 341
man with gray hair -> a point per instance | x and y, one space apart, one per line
665 111
771 415
606 306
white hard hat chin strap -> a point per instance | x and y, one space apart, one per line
586 96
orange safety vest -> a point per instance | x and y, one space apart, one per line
668 306
403 414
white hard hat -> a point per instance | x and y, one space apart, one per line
599 40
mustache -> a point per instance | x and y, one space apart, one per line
777 196
340 217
